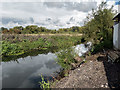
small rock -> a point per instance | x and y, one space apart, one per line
84 60
90 61
106 86
106 83
102 85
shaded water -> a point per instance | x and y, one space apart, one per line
26 72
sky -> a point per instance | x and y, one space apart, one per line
52 14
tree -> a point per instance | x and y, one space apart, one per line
18 28
101 22
98 26
4 30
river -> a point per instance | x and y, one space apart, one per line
26 72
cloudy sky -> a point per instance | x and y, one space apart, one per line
52 14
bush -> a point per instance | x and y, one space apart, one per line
43 84
65 58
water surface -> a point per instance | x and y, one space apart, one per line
26 72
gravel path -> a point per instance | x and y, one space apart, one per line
92 74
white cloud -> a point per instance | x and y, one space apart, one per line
110 3
37 12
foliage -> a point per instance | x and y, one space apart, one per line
10 49
18 45
22 47
98 27
33 29
65 57
44 84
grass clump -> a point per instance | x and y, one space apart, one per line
43 84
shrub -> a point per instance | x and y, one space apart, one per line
43 84
65 58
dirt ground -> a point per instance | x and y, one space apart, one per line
97 72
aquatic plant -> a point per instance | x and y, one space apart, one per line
43 84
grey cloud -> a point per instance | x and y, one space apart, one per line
51 64
26 7
52 15
82 6
6 20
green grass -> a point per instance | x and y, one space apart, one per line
10 48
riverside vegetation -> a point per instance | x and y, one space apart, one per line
17 45
97 29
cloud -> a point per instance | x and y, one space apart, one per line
110 3
38 13
82 6
52 15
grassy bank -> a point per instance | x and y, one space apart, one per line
20 44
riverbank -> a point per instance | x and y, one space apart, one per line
19 44
96 72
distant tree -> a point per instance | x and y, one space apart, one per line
4 30
31 29
18 28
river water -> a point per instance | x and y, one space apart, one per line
26 72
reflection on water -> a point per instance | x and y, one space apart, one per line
30 53
26 72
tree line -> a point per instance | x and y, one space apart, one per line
34 29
